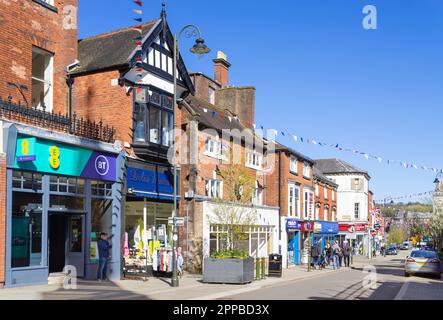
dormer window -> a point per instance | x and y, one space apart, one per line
153 117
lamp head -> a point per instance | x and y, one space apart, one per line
200 47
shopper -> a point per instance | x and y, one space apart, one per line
328 250
180 262
315 254
347 251
103 253
335 255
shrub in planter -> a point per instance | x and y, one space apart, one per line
230 267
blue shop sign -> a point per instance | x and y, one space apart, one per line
293 224
324 227
156 184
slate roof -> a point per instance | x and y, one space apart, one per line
338 166
322 177
110 49
280 147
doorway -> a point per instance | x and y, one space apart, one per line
66 244
57 242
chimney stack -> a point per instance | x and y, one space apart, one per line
221 69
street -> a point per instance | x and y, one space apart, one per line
354 284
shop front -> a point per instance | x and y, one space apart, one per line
293 232
147 235
60 196
324 232
356 234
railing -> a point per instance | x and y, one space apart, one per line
56 121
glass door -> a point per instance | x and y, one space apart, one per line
76 244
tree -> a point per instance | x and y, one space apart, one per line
397 235
233 213
436 230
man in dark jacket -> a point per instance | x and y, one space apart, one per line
346 253
103 253
315 253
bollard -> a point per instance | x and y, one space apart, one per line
257 269
263 268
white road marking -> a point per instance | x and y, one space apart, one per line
404 289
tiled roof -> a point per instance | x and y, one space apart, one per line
110 49
322 177
337 166
280 146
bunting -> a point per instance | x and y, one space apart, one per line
138 57
409 196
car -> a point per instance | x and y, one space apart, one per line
391 251
423 262
405 246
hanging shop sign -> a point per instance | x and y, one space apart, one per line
157 183
34 154
351 228
293 224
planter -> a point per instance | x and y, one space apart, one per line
228 271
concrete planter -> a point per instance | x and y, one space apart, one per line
229 271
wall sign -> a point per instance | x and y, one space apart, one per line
293 224
63 159
26 149
155 183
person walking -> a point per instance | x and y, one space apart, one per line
340 256
328 250
335 255
180 262
103 254
315 254
346 253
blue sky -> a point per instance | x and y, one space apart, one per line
320 75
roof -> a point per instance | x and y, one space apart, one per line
281 147
109 50
319 175
338 166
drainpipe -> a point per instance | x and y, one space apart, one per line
70 83
279 203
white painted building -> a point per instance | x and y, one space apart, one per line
352 199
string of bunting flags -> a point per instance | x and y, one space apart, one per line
138 57
409 196
300 139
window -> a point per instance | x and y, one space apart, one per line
153 117
294 200
254 160
333 215
42 79
356 184
213 147
326 214
257 198
211 95
357 211
333 195
317 213
306 170
325 192
214 188
293 166
308 204
317 190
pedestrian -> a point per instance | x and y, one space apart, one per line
315 254
103 254
180 262
328 250
346 253
340 256
335 255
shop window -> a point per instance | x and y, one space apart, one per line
27 181
42 79
101 189
101 216
66 203
68 185
76 234
140 122
26 231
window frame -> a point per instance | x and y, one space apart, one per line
306 170
48 99
254 160
293 165
357 210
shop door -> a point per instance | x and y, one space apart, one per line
76 244
297 248
57 243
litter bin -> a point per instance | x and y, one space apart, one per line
275 265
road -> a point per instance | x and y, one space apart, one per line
387 283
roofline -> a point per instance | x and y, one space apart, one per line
119 67
293 152
348 173
326 180
145 37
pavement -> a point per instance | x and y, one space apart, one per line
377 279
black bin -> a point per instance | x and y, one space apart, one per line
275 265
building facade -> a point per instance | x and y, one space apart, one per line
352 201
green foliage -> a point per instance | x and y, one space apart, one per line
230 254
397 235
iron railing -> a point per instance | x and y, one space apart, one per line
56 121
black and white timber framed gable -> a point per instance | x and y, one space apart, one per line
157 62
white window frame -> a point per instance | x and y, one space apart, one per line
293 165
48 79
257 198
317 190
306 170
326 214
306 208
333 195
254 160
294 201
357 211
325 192
214 188
214 148
211 95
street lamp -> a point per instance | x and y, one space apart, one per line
199 48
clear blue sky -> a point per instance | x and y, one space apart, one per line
320 75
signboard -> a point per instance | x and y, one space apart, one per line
155 183
293 224
178 221
351 228
62 159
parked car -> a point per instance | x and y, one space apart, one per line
406 246
392 251
423 262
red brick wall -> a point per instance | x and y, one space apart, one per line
273 186
202 84
326 201
97 97
23 24
2 218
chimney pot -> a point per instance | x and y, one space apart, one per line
221 69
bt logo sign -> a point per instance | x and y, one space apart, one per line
102 165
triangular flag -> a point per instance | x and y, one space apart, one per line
137 11
213 114
138 19
139 3
295 138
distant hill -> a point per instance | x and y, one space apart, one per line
393 210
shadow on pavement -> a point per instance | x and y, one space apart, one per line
91 290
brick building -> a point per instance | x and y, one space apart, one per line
52 164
